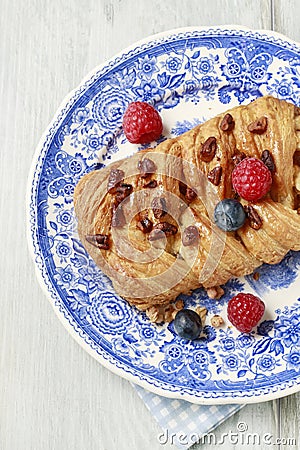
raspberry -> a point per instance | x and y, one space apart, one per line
245 311
141 123
251 179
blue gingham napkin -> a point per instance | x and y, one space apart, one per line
184 423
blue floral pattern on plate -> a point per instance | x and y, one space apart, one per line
189 75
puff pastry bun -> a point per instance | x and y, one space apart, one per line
147 220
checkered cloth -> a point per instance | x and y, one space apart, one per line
184 423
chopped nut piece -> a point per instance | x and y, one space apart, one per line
227 123
215 292
179 304
296 111
216 321
255 221
169 315
152 184
146 166
208 149
160 313
296 158
154 314
202 313
256 276
159 207
259 126
214 176
190 194
161 228
123 191
145 225
118 218
268 160
187 192
98 240
125 188
182 188
190 236
114 179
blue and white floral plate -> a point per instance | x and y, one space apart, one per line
189 75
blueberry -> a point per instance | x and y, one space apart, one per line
229 214
187 324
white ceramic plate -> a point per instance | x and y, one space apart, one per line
189 75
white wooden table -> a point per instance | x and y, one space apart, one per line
53 395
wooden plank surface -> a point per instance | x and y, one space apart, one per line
53 395
285 18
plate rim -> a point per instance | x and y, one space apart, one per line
31 226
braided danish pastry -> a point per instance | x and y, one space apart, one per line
147 220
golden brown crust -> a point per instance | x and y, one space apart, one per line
154 273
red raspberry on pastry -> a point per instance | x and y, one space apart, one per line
251 179
141 123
